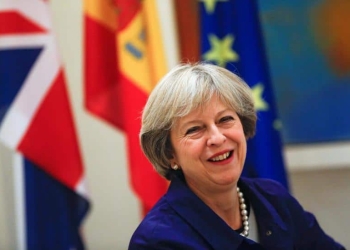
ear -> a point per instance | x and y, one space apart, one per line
172 161
171 156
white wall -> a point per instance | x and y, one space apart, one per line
115 213
326 194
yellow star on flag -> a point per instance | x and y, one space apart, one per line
210 5
220 50
277 124
259 102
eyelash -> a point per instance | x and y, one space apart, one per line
195 129
192 130
226 119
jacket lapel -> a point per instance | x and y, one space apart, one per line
200 217
273 232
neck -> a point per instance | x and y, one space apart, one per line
224 204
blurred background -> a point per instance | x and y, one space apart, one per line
307 45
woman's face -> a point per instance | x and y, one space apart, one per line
210 147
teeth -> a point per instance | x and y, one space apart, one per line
220 157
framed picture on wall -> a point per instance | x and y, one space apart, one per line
308 49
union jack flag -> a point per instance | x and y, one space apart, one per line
36 120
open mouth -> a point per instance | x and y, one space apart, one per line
221 157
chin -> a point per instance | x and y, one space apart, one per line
227 180
231 177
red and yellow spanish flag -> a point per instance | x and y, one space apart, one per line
124 59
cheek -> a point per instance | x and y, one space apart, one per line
238 136
190 150
244 142
180 148
244 149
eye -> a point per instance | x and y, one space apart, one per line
226 119
193 130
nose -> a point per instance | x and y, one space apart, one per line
215 136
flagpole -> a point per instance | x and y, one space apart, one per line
169 34
18 182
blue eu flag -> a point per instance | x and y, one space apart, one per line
231 37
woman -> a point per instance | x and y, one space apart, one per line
195 127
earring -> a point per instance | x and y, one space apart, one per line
175 167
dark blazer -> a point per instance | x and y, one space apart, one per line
180 220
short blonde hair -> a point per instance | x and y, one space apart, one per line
185 88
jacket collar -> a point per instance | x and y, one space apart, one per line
197 214
264 198
257 195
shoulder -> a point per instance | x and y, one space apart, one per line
302 225
266 187
161 226
273 198
266 192
160 217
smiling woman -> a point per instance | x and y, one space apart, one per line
209 146
194 130
182 91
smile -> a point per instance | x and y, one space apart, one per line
221 157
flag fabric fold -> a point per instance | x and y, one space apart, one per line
231 37
188 30
36 120
124 59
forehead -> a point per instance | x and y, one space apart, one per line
210 108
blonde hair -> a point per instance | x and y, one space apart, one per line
185 88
